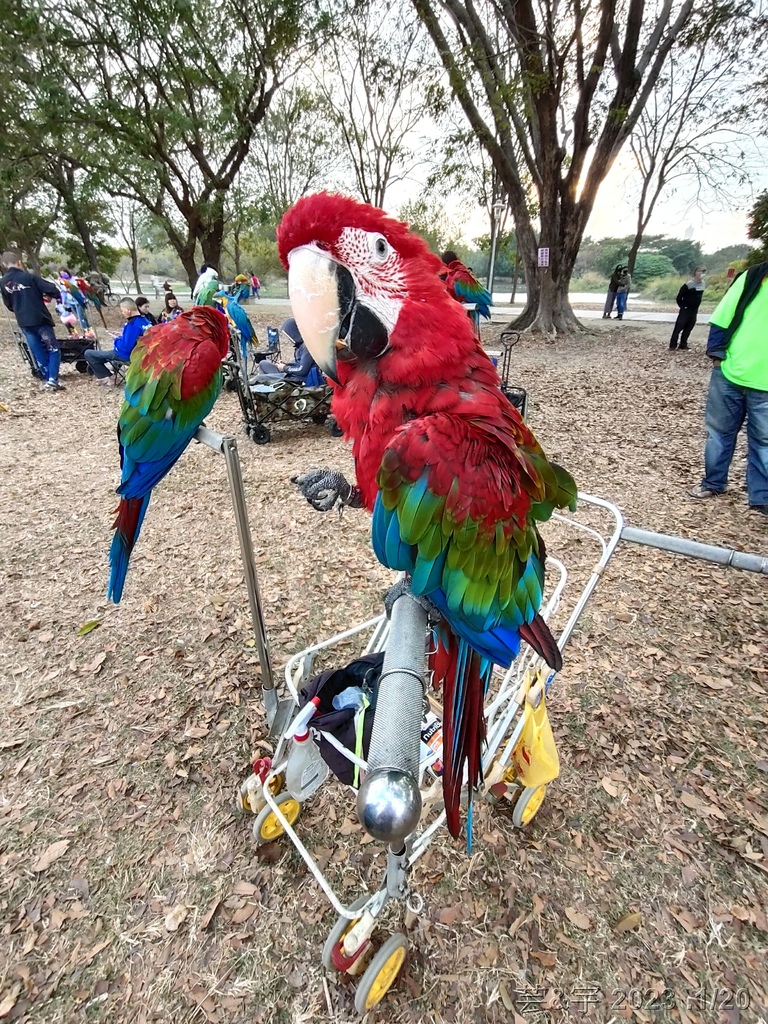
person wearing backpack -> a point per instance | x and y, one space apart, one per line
738 388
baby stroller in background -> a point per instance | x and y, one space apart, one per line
275 400
72 350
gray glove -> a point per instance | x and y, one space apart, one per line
325 489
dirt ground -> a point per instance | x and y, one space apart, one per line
130 891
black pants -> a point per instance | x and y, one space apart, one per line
686 321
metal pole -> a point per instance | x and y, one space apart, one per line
228 447
693 549
492 261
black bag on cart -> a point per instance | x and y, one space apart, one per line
364 672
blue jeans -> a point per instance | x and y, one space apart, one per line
728 405
97 359
44 346
621 302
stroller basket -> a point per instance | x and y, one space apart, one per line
274 400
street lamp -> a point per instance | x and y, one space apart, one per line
496 211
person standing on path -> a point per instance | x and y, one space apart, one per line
738 388
613 286
689 300
24 294
622 292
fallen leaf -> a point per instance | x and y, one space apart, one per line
628 922
207 917
9 1000
54 851
578 919
610 787
686 919
544 957
88 627
176 917
692 801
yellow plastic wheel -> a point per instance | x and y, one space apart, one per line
268 826
528 803
380 973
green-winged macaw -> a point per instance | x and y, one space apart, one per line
454 478
173 379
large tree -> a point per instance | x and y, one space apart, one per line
376 88
552 90
165 99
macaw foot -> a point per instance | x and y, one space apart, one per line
326 489
402 587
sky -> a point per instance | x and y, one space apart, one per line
715 225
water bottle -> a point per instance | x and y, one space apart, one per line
306 771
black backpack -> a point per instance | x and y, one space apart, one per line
363 672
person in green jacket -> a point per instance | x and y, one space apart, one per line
738 387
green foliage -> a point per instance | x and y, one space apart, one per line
649 265
665 289
428 219
719 261
758 220
758 229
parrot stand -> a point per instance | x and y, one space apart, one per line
399 801
277 711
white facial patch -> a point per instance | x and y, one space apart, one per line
378 275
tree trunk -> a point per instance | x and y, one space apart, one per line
514 276
83 229
135 268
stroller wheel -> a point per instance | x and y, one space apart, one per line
319 418
230 385
527 805
337 933
81 366
380 973
260 434
332 427
268 826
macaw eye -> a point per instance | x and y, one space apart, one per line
381 247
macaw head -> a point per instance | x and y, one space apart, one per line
352 271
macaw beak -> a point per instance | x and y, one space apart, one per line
332 320
322 293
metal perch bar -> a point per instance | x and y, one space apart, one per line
693 549
227 446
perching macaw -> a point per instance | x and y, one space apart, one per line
90 296
464 286
73 299
206 287
172 382
239 319
455 480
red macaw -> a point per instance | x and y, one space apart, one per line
464 286
454 478
90 296
172 382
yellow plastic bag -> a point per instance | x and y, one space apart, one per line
535 754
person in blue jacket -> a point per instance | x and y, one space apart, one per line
125 342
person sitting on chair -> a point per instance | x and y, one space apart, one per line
142 304
172 308
303 369
124 344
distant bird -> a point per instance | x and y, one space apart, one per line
464 286
206 287
173 380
